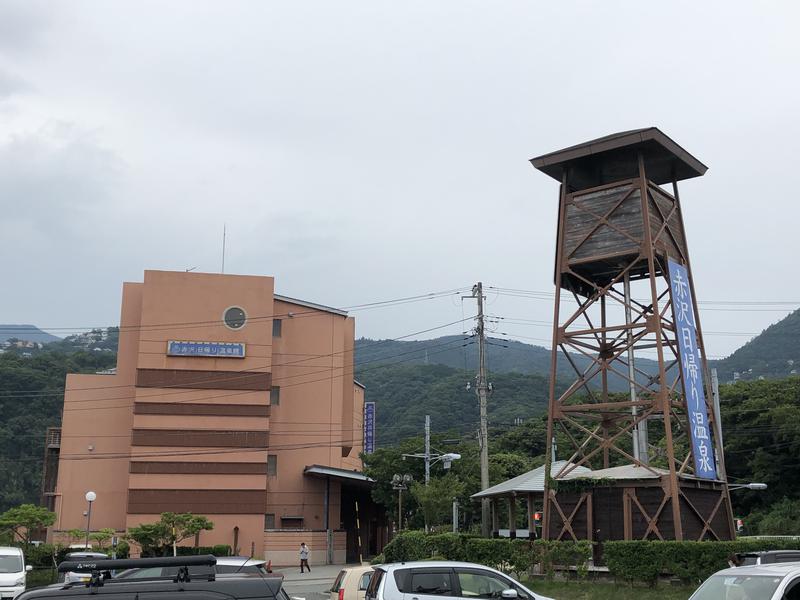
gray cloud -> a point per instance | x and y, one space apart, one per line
11 84
23 23
56 179
364 151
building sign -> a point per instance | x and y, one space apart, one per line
692 371
207 349
369 427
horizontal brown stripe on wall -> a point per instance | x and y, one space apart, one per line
202 438
203 380
182 408
201 502
202 468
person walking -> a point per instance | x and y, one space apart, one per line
304 557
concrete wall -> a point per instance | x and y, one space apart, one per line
282 547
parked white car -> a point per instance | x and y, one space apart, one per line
13 572
759 582
430 580
72 577
351 583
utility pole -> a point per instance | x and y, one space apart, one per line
482 390
427 449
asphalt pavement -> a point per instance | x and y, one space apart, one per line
313 585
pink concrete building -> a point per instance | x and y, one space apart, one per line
228 401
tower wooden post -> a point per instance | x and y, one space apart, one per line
632 341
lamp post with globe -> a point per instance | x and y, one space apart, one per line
90 497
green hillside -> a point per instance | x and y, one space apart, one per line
406 393
409 379
461 352
775 353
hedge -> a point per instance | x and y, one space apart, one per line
692 562
632 561
514 556
218 550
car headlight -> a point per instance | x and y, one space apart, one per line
20 581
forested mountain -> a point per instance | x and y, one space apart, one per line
406 393
409 379
29 333
461 353
773 354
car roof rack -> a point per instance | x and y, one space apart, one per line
100 569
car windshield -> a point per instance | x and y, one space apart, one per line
10 564
742 587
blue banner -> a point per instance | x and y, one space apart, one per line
692 371
207 349
369 427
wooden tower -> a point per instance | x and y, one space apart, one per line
638 409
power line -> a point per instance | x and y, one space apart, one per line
225 395
551 295
222 377
216 322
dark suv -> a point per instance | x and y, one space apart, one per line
194 579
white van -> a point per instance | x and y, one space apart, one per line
13 572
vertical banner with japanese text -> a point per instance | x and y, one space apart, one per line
692 371
369 427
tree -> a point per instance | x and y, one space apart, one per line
436 498
782 518
25 519
171 528
102 537
79 535
149 536
181 526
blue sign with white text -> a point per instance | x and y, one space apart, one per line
369 427
207 349
692 371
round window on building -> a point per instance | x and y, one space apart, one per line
235 317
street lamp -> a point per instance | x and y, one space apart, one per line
747 486
90 497
431 459
400 483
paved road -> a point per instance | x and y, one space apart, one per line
311 586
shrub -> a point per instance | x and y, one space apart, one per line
452 546
218 550
634 560
490 552
645 561
510 556
565 554
42 555
410 545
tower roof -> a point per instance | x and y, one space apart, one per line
615 157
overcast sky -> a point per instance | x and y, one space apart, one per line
363 151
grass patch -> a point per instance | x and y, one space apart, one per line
594 590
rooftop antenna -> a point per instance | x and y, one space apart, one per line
223 246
